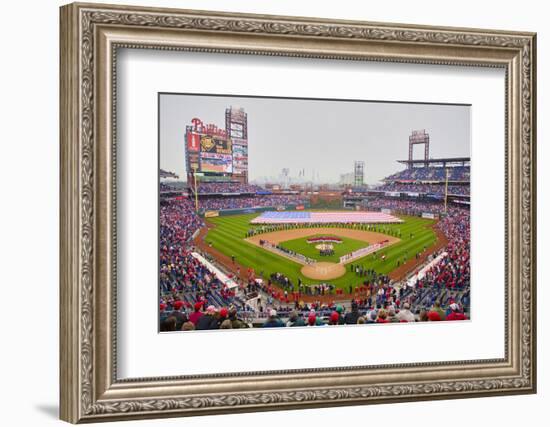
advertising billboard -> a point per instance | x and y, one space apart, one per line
240 158
239 141
193 141
214 162
193 161
212 144
392 193
240 151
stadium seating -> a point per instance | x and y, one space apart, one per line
226 187
457 173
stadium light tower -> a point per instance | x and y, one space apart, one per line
359 173
419 137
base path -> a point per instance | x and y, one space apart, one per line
323 270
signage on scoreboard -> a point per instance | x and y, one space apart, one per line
210 144
214 162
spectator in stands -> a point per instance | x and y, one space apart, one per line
236 323
208 320
273 320
423 315
168 325
382 316
197 314
405 314
334 318
437 308
226 324
392 315
433 316
341 316
295 319
181 317
312 319
188 326
456 314
353 315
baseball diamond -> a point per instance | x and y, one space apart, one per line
227 236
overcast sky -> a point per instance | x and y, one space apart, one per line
322 137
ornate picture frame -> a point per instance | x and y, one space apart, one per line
90 37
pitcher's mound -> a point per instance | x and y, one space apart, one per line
323 270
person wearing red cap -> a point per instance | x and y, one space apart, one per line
178 305
334 317
197 314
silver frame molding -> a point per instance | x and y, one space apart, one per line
90 37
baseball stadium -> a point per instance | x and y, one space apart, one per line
239 254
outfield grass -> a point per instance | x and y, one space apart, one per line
230 231
308 249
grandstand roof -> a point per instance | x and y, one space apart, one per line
460 160
167 174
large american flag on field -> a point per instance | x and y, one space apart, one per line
357 217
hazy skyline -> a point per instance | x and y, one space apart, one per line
322 137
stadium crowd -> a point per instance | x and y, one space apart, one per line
457 173
183 279
226 187
453 271
243 202
314 314
407 207
178 221
463 190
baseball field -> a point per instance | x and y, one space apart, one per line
227 234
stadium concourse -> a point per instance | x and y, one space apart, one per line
202 288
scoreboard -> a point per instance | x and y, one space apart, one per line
210 150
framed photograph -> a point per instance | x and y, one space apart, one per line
267 213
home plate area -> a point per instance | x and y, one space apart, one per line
323 270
